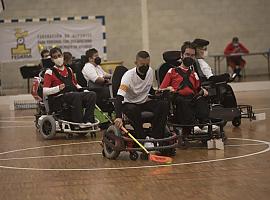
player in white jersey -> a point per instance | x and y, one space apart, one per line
132 98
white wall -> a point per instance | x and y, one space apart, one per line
171 22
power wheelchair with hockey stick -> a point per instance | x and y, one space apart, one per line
116 141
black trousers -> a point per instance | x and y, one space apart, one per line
78 101
103 94
189 110
160 110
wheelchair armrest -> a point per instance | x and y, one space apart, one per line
220 78
160 94
82 89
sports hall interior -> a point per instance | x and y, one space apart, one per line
74 168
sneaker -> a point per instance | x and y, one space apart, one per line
148 144
214 128
197 130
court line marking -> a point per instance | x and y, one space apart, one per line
55 156
49 146
13 121
91 154
150 166
22 117
258 109
16 126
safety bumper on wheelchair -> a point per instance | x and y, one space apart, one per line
114 142
202 136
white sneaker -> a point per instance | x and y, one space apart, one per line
197 130
148 144
214 128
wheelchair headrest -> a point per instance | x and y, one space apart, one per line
171 59
161 72
84 59
171 56
116 78
29 71
47 63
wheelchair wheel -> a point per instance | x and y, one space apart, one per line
47 127
133 155
236 121
144 156
109 151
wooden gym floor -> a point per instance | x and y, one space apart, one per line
33 168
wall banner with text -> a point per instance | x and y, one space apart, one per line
22 40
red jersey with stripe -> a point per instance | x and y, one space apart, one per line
174 79
50 80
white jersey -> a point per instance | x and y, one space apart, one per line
133 88
92 73
206 69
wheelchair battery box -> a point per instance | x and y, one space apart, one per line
227 114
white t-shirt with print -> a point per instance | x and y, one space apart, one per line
133 88
92 73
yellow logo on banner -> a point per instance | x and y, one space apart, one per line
20 51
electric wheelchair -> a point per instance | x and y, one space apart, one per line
222 101
186 130
115 141
50 121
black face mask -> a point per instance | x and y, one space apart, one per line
143 69
97 60
188 61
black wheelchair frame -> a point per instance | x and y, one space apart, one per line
49 123
116 141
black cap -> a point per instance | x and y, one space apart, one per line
201 42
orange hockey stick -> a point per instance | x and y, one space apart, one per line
155 158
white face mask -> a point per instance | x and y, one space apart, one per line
59 61
205 54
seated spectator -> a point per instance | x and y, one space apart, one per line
61 80
236 62
96 77
185 82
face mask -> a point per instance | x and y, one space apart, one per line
205 54
59 61
97 60
143 69
188 61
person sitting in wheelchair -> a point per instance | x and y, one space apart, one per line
61 87
205 73
133 98
184 81
97 79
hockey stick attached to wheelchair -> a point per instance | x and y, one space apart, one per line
155 158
